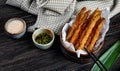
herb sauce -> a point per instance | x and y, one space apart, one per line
43 38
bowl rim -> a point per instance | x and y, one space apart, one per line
53 36
12 19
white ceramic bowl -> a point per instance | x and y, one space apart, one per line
20 33
43 30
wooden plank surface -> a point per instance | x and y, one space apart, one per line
22 55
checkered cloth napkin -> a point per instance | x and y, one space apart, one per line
55 13
51 14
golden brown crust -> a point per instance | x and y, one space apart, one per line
85 30
88 31
79 29
72 28
96 35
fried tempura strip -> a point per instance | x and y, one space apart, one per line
81 36
82 33
80 16
92 34
70 32
96 35
72 28
89 39
76 34
83 20
96 12
88 31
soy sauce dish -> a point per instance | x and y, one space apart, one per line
15 27
43 38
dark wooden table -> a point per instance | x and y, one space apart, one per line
22 55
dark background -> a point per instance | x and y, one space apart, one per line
22 55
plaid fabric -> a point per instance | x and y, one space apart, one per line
54 13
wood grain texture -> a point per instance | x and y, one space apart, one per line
22 55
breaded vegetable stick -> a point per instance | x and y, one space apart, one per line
81 36
96 12
92 34
76 34
83 20
88 31
96 35
89 39
70 32
80 16
72 28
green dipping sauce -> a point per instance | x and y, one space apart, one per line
43 38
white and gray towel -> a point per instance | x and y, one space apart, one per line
55 13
